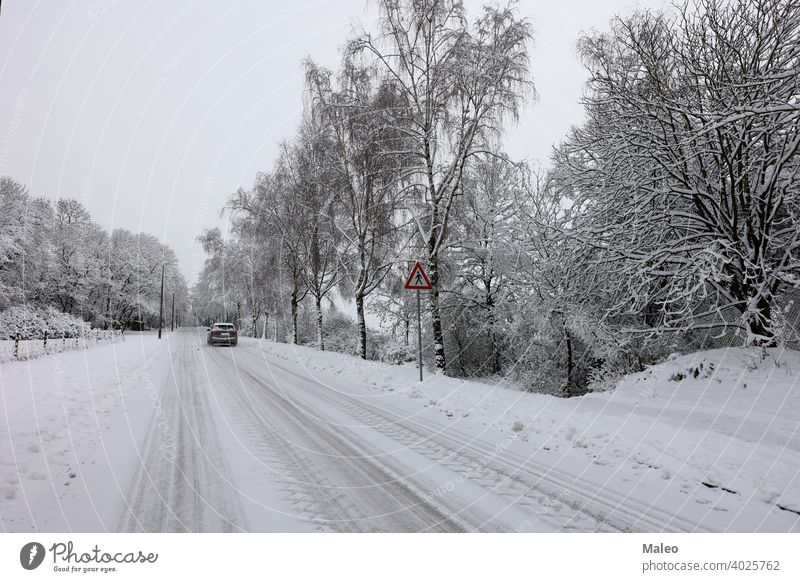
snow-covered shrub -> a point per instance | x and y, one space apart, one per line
21 322
538 349
468 343
394 352
31 323
341 333
600 380
60 324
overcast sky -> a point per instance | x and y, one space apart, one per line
151 113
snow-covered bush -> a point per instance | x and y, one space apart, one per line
30 323
473 344
341 333
545 356
394 352
60 324
21 321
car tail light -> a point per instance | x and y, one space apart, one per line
214 333
233 332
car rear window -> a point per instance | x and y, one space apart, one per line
224 326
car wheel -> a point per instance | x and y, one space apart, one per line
234 344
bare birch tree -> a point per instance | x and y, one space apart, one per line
357 113
313 188
457 81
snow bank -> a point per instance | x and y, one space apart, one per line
726 419
712 437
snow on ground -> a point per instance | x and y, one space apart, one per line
712 436
70 424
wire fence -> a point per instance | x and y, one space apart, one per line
28 349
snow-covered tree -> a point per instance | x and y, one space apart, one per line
483 241
685 173
54 256
313 187
457 80
356 111
25 245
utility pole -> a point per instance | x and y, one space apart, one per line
161 304
172 319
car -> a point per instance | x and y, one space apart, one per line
222 333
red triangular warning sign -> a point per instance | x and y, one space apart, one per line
418 279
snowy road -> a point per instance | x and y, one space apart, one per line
241 440
173 435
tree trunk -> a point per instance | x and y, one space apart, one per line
266 322
570 363
294 314
760 323
436 316
320 335
492 334
362 326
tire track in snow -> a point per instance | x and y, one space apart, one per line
346 487
182 484
508 475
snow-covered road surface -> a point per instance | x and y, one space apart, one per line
241 441
173 435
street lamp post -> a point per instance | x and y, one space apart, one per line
161 304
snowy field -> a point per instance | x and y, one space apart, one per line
70 425
144 435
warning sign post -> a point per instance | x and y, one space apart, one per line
418 281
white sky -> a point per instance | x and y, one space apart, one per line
151 113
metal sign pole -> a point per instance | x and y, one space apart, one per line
418 281
419 336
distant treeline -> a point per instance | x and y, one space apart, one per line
53 256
